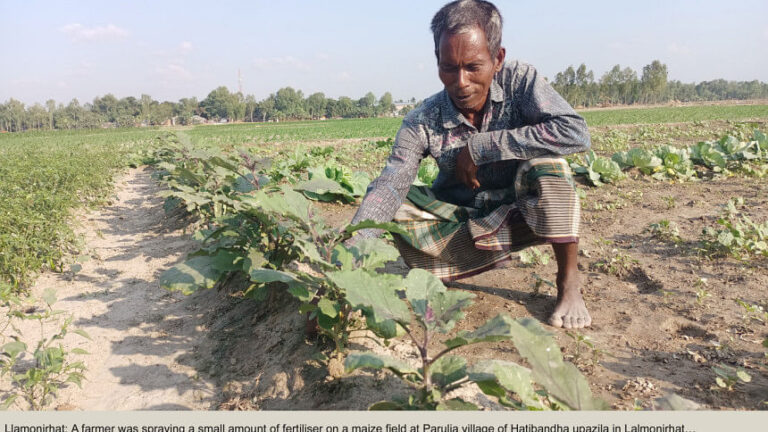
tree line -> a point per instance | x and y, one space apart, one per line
109 111
618 86
623 87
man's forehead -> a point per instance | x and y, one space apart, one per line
468 39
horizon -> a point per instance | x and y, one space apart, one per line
85 51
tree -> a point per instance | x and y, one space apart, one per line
185 109
316 104
367 105
385 106
106 106
146 108
289 103
250 107
654 81
217 104
345 107
50 104
266 108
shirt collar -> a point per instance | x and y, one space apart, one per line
452 117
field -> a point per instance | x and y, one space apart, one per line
673 256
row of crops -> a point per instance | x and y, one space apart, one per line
44 177
253 225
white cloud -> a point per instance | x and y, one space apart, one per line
174 71
322 56
676 48
185 47
78 32
345 76
280 62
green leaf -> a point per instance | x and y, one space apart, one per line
496 329
447 370
82 333
323 189
191 275
226 260
328 307
511 376
49 296
375 293
309 249
374 253
456 405
359 360
644 160
609 170
8 402
76 378
385 406
14 348
288 203
743 375
436 307
392 227
343 257
386 329
265 275
562 380
79 351
254 260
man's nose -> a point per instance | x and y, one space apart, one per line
463 78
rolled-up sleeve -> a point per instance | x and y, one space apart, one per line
551 126
385 194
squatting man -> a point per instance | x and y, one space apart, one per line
497 132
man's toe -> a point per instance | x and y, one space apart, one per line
556 320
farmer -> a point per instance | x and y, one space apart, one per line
497 132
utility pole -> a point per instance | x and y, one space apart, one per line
239 81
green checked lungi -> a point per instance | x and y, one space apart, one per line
454 242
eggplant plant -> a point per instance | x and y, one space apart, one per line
429 309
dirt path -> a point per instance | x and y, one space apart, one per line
143 337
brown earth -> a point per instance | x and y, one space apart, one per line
157 350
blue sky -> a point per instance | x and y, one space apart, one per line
174 49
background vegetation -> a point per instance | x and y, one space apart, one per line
579 86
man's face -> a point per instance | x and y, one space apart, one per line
466 68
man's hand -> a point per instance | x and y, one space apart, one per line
466 170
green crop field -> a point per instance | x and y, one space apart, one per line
657 115
47 174
44 176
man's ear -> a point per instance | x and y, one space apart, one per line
499 60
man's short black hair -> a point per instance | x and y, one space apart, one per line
461 15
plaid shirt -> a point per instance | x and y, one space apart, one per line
524 118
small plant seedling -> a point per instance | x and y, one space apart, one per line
617 264
701 291
38 381
539 282
670 201
665 230
752 312
533 257
584 345
728 376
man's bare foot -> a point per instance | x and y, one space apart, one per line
570 310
